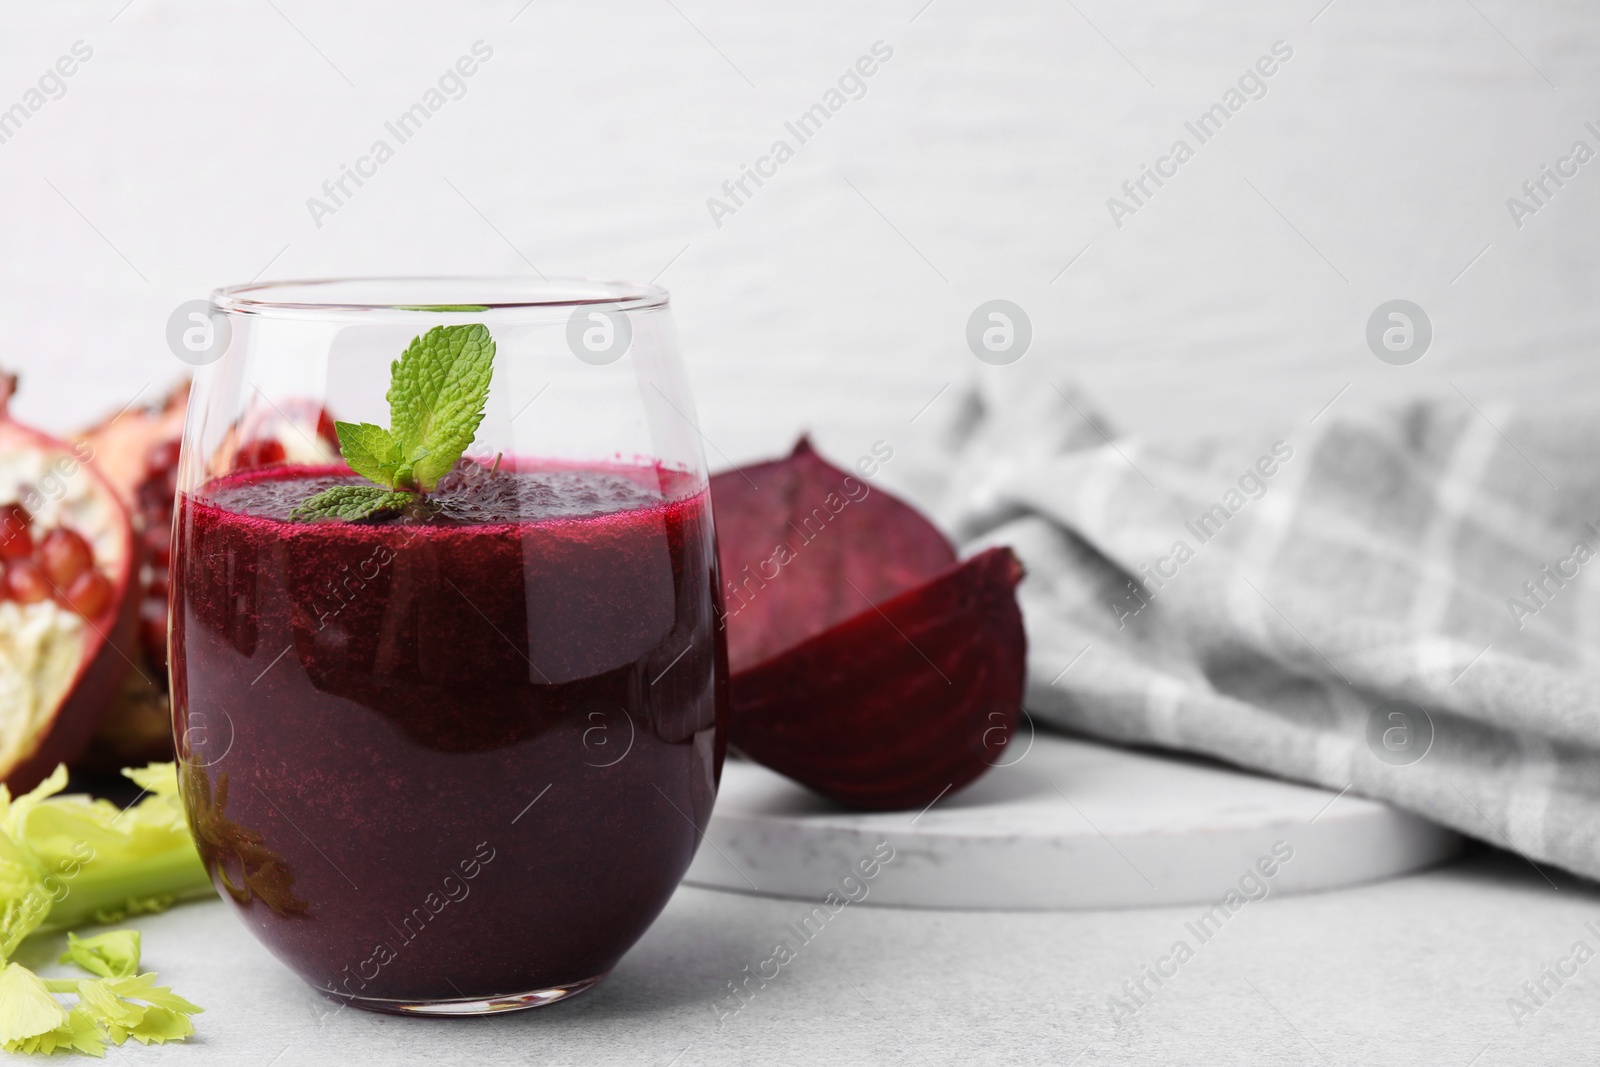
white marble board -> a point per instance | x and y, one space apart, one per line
1071 824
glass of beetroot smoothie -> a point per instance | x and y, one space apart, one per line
449 690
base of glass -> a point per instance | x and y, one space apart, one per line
537 998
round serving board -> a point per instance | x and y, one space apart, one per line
1071 824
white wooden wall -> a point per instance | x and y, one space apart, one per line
977 165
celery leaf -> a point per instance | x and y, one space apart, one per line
114 954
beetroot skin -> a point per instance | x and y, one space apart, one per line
869 664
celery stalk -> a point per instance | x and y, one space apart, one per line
72 860
108 892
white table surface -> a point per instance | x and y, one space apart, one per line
1411 971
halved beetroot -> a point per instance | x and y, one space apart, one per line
66 618
868 664
805 546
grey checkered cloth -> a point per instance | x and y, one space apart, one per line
1345 588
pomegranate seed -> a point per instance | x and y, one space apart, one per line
26 582
153 627
155 496
16 537
89 594
158 544
63 555
160 485
253 455
326 429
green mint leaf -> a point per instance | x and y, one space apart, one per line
370 451
436 398
351 503
437 391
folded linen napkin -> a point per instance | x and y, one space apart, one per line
1398 602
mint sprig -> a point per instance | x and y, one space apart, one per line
437 391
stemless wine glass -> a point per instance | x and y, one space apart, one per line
452 757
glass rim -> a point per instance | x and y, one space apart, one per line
409 295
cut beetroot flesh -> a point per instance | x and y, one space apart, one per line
868 664
805 546
899 705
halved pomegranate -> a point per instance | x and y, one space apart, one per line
867 663
66 624
137 450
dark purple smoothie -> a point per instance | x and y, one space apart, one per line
455 757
